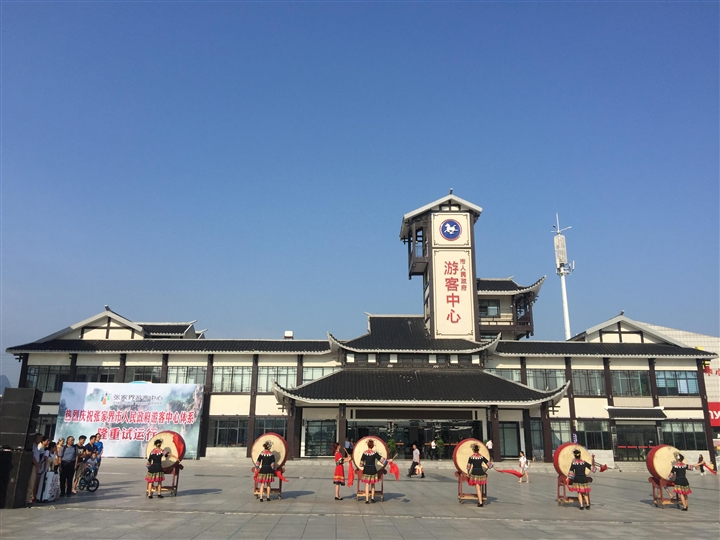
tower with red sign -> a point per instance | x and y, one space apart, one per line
441 248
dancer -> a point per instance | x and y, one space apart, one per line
155 474
266 469
682 486
580 482
370 471
477 476
339 477
523 463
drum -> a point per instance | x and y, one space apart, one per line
279 447
463 451
660 460
361 446
171 442
563 456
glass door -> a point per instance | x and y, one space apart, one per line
319 437
509 439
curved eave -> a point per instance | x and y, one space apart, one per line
490 346
283 396
534 288
606 355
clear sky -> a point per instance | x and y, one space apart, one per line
247 164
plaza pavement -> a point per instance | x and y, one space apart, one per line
215 501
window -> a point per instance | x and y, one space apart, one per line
630 383
413 359
560 432
536 439
677 383
489 308
186 375
545 379
594 435
226 431
284 376
97 374
509 374
142 373
276 425
684 435
47 378
312 373
46 425
231 379
588 382
488 337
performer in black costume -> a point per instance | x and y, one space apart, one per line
580 483
682 486
370 471
477 475
266 469
155 474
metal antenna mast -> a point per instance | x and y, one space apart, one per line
563 268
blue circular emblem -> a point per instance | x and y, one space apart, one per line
450 229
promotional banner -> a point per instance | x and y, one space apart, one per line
128 415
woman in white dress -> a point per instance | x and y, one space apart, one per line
523 463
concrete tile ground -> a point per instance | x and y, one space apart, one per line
215 501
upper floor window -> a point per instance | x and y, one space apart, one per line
545 379
489 308
630 383
312 373
284 376
232 379
509 374
186 374
97 374
677 383
47 378
143 373
413 359
588 382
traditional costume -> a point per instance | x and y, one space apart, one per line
266 467
339 477
476 474
580 482
682 486
368 465
155 472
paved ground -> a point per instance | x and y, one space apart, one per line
215 501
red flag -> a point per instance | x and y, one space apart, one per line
603 468
510 471
279 474
394 470
351 474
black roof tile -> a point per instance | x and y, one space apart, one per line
289 346
582 348
165 329
500 285
636 414
421 385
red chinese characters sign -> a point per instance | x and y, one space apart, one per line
453 299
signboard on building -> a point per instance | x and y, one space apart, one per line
127 416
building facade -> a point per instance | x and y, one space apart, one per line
463 367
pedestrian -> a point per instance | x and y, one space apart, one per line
36 456
84 453
682 486
701 464
42 466
155 473
68 464
433 449
415 462
370 471
99 448
580 482
266 465
339 476
347 444
523 463
477 466
352 445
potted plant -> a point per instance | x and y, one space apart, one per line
392 447
440 447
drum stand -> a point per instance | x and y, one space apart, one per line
273 490
175 472
658 492
562 492
468 496
379 485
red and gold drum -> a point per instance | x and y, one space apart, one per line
279 447
463 451
660 460
362 445
563 456
171 442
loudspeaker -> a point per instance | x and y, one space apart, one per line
15 470
19 413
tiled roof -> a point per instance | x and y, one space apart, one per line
406 333
165 329
419 386
582 348
506 286
625 413
288 346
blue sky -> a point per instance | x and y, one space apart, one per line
248 164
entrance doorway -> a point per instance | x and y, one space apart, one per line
319 437
509 439
635 441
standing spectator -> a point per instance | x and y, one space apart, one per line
99 447
48 482
37 454
433 449
60 445
347 444
42 465
80 464
68 464
701 464
352 445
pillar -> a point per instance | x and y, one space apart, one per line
205 422
546 433
495 432
253 400
706 410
